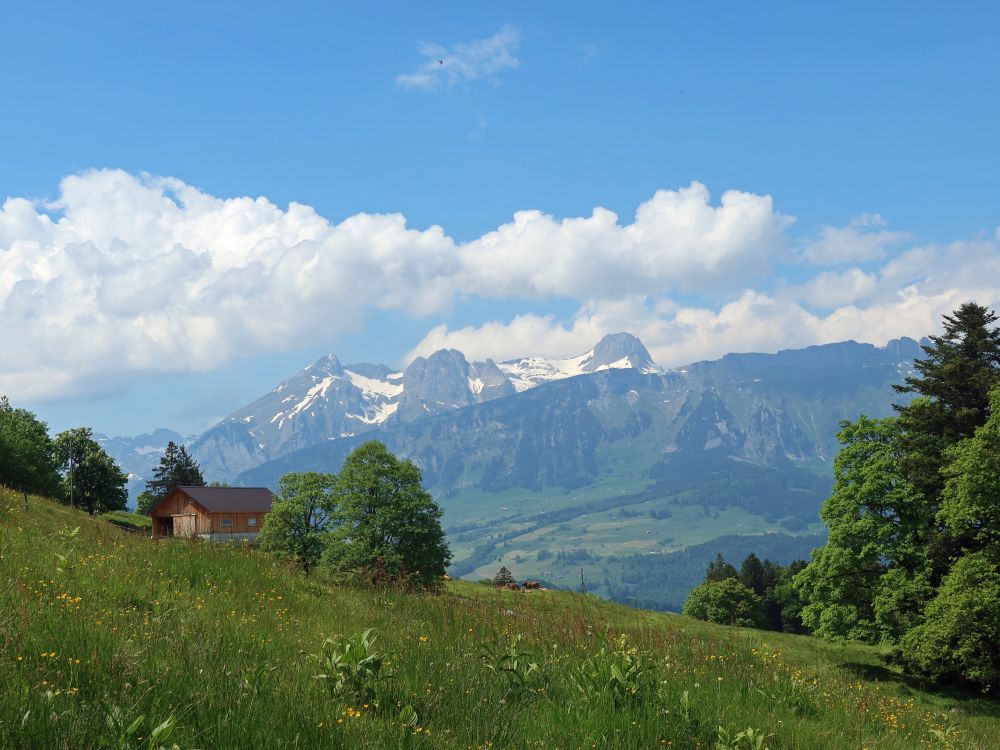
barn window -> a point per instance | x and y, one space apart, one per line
251 522
227 522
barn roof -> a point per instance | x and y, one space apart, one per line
230 499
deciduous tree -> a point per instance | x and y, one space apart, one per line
91 478
26 452
301 518
387 522
727 602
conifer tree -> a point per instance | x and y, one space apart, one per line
953 386
503 577
177 469
913 556
719 570
752 574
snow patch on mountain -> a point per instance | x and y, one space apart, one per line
617 351
373 389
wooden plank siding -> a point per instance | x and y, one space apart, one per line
179 514
180 506
239 523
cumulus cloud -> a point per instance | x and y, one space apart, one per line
833 288
678 238
445 67
126 274
753 321
864 239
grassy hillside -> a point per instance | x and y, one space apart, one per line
105 635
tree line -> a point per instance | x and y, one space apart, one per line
71 467
912 559
758 595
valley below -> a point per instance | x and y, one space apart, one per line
603 472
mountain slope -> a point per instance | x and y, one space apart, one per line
213 641
587 470
328 401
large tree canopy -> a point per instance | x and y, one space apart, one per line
970 503
26 460
914 518
387 523
91 478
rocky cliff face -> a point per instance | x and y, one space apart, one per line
329 401
324 401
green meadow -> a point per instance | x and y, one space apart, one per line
111 640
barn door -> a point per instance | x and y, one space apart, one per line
184 525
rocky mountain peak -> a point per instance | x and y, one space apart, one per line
327 365
619 350
435 384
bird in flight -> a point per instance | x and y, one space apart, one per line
440 62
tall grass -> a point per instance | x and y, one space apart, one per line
208 645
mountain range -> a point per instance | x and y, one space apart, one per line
602 467
330 401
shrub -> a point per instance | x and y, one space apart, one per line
727 602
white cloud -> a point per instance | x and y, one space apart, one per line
678 238
864 239
833 288
127 275
137 274
445 67
752 322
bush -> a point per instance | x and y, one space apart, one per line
960 637
726 602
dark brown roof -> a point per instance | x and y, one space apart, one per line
230 499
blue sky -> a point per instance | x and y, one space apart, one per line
862 139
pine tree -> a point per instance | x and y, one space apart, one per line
953 387
503 577
719 570
953 384
752 574
177 469
961 368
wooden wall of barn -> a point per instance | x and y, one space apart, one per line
178 504
239 523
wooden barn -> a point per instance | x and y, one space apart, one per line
213 513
